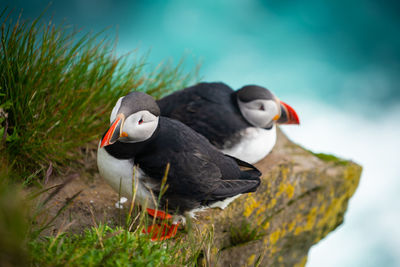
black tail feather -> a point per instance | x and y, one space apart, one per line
254 170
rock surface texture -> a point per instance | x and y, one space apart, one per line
302 197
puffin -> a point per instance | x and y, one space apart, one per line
239 123
143 146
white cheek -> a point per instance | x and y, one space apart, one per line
138 132
256 117
271 109
134 130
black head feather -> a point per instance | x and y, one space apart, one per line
253 92
137 101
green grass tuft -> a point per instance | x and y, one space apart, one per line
244 233
57 90
23 219
104 246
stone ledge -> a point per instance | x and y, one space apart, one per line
303 196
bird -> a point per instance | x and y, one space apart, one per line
239 123
140 143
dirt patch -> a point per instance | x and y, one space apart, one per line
95 194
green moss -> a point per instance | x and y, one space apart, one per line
330 158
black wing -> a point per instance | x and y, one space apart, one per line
192 174
208 108
230 188
202 178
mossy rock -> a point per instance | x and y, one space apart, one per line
303 196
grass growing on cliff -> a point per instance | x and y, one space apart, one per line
124 245
23 218
14 225
100 245
243 233
57 89
104 246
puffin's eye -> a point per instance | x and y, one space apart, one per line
262 107
140 121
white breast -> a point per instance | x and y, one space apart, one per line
254 145
120 172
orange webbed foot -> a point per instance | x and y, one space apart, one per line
159 214
161 232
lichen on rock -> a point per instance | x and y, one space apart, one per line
303 196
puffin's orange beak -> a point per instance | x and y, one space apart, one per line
114 132
288 115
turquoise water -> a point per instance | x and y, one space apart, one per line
336 62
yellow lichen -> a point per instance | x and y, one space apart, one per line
298 230
286 188
330 212
251 259
301 263
310 222
276 235
281 189
312 215
290 190
284 172
261 209
273 237
291 226
271 204
259 220
250 205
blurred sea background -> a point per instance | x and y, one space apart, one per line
336 62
